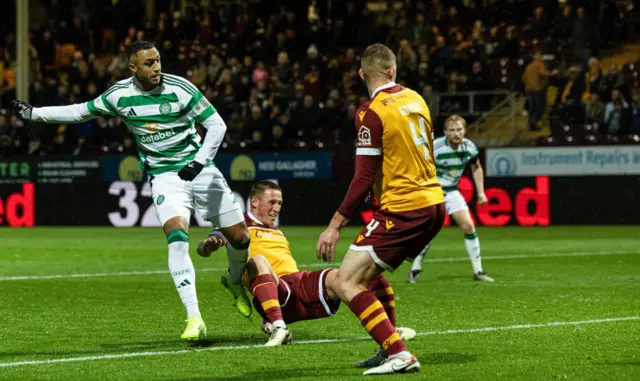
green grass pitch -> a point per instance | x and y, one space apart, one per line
98 304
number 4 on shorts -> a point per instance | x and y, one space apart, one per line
373 225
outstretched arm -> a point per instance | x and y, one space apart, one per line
75 113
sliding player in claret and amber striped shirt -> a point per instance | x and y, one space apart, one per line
283 294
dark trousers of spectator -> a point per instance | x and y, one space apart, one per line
536 103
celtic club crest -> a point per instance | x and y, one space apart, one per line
165 108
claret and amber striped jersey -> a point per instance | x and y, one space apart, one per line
272 244
396 124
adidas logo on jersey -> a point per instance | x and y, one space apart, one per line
132 112
150 138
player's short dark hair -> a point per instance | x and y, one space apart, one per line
138 46
259 187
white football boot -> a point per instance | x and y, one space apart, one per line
381 355
406 333
413 276
483 277
267 327
279 336
395 364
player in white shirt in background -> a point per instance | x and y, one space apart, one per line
160 111
452 153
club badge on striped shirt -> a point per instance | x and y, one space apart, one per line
165 108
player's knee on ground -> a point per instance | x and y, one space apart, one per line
237 235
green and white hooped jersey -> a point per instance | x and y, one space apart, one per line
161 120
450 163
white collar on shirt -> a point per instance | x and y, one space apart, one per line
385 86
254 218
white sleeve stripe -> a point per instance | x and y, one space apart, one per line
100 105
368 151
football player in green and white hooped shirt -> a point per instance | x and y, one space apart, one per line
452 153
160 111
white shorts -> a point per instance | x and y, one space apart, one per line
208 194
454 202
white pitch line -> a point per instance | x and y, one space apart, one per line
307 342
310 265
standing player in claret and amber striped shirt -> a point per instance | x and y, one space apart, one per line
394 156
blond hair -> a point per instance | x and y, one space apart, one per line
376 60
455 119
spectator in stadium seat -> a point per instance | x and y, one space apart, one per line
256 121
616 114
581 36
562 26
574 89
46 47
199 73
597 80
257 141
511 47
419 29
594 110
494 43
614 118
278 140
539 25
440 58
332 117
478 80
615 80
306 117
406 57
535 86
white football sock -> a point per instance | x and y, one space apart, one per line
183 272
417 263
472 243
279 324
405 355
237 262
